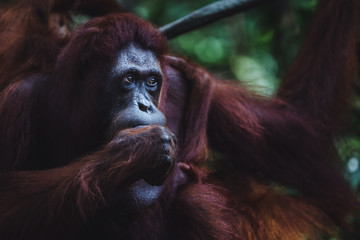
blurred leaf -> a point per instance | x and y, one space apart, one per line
210 49
256 74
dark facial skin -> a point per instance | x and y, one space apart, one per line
137 79
134 88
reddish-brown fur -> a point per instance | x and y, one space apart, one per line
277 176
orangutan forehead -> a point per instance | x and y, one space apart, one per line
134 56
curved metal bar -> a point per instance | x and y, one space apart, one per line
208 14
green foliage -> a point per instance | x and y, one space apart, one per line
255 47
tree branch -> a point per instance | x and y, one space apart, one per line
208 14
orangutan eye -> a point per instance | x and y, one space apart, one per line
129 79
152 81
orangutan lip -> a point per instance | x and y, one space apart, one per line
144 193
